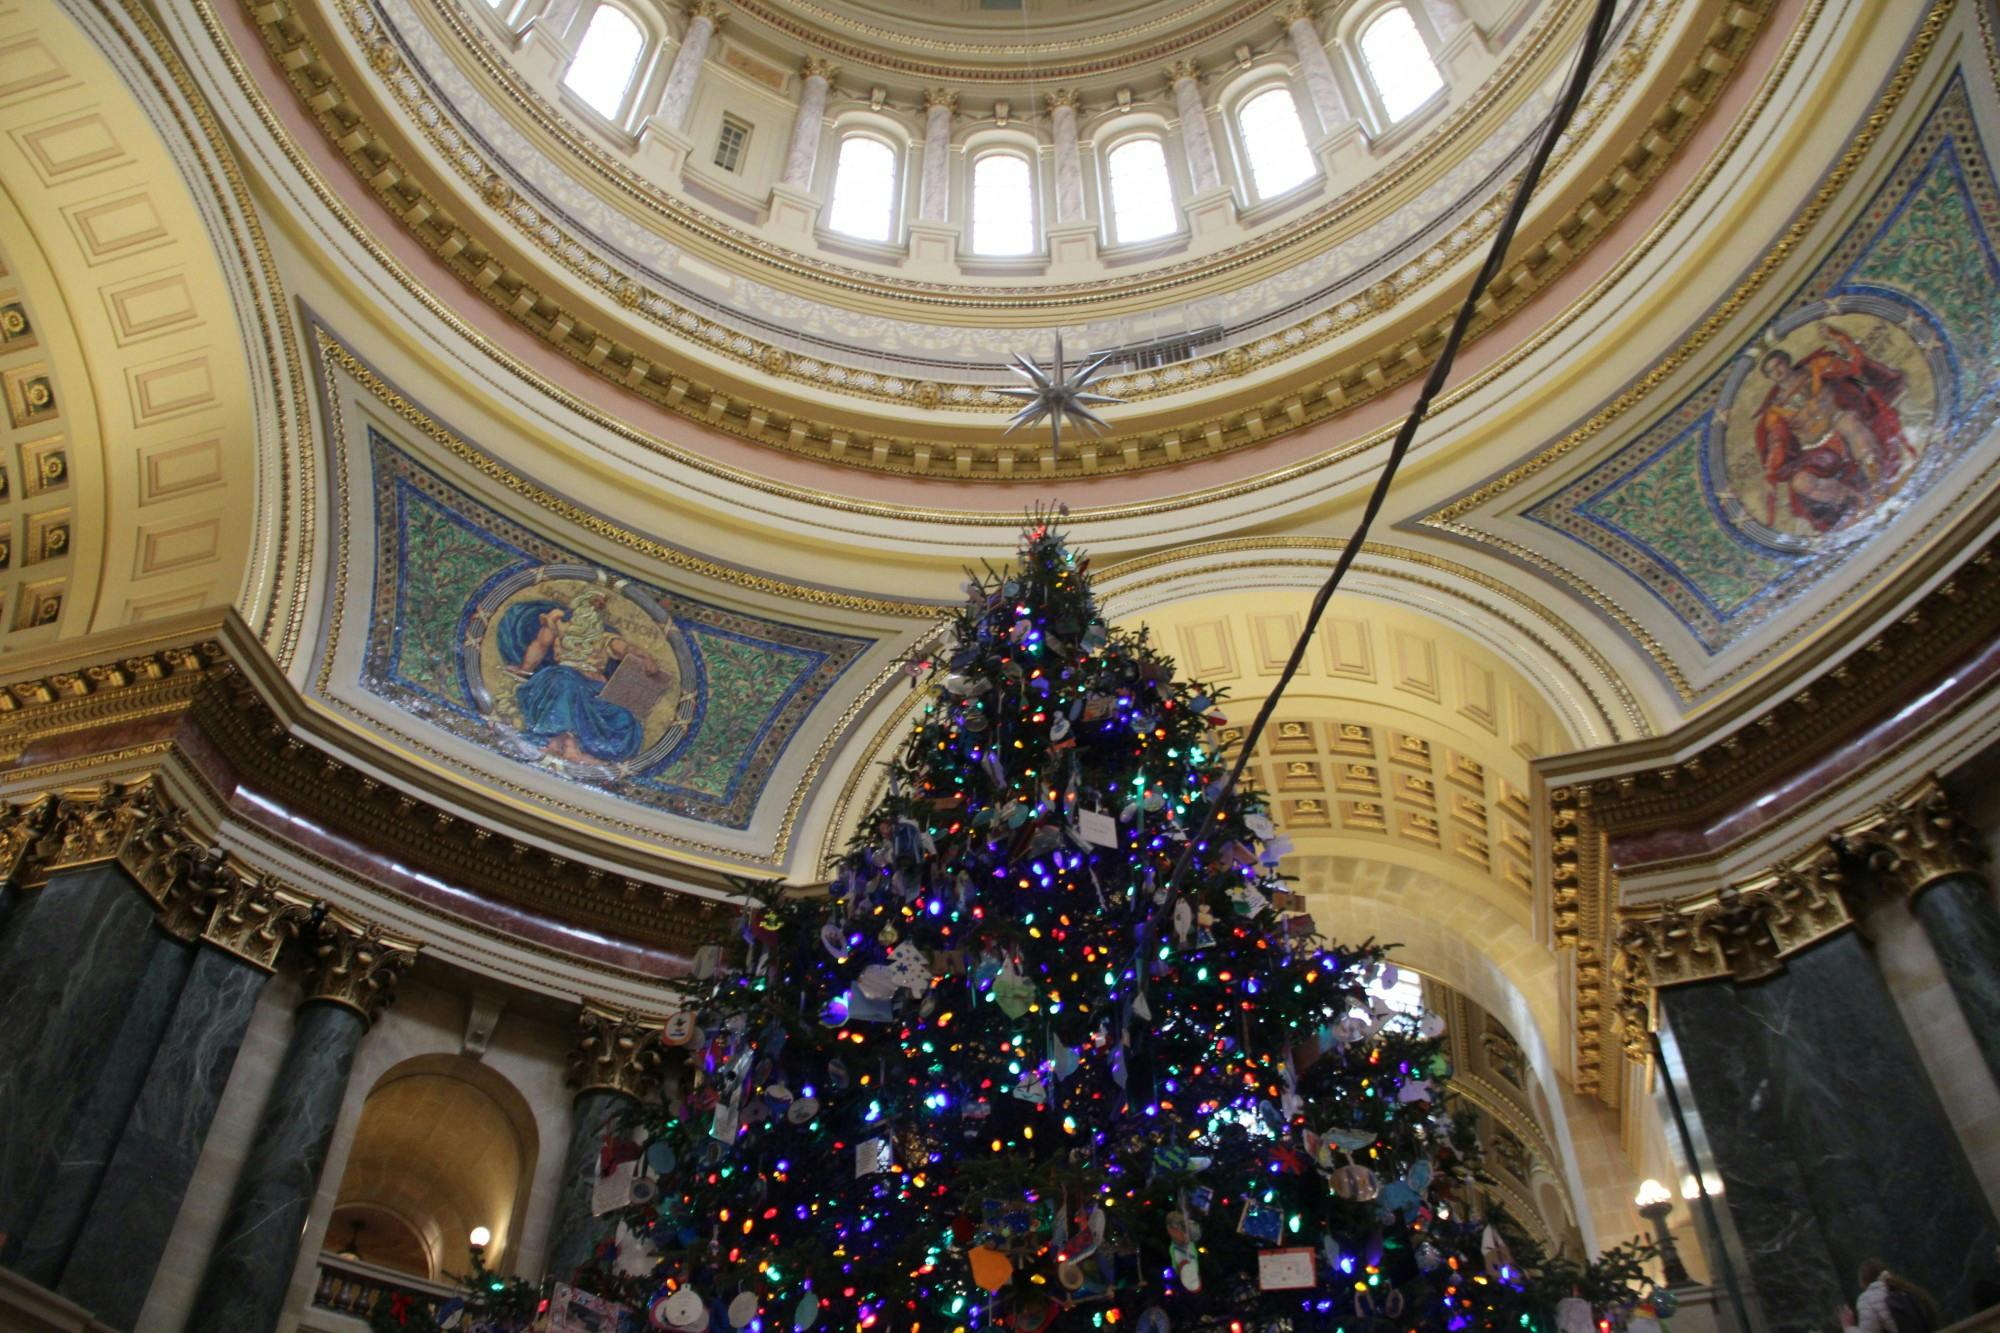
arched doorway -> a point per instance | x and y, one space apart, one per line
445 1145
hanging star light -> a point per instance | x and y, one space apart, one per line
1052 394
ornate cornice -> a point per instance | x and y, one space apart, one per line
356 965
1916 840
615 1051
210 699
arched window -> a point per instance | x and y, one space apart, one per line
1274 142
864 189
1003 205
1399 64
1142 195
606 59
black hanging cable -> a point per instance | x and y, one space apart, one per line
1496 257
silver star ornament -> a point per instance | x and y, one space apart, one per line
1058 396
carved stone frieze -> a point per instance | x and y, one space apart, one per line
1916 840
355 964
615 1050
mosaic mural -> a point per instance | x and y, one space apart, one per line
501 637
1877 375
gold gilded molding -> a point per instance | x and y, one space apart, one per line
1743 931
356 965
197 890
1916 840
615 1051
1286 408
249 916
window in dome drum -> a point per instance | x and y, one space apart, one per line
729 144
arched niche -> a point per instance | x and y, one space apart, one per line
444 1144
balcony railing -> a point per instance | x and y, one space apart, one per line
358 1288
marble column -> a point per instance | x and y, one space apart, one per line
1879 1156
1329 103
934 189
1204 172
1775 1243
678 95
74 961
250 1268
91 1135
1922 847
615 1062
1063 107
1958 913
117 1250
815 77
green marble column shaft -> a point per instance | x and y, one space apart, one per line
91 1136
574 1232
111 1263
1959 914
74 958
250 1268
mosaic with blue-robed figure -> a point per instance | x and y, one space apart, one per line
501 637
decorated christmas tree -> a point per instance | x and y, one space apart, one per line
1045 1054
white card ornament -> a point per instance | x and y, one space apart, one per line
1416 1090
910 969
1260 824
877 981
873 1157
743 1309
635 1258
834 939
1432 1027
613 1190
1097 828
1140 1009
727 1117
1059 728
1183 919
1287 1270
807 1314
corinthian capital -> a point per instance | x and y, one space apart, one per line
943 97
1064 97
1298 11
26 831
818 67
356 965
706 9
1917 840
250 918
616 1051
1184 69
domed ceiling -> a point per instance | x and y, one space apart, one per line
719 295
522 366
